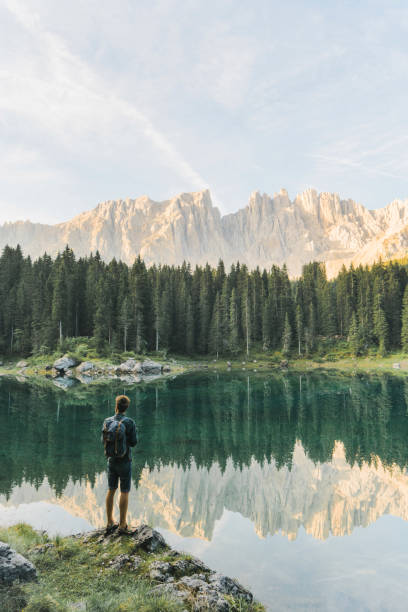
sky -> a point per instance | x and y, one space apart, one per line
104 100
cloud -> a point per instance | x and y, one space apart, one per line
65 95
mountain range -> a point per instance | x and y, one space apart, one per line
269 230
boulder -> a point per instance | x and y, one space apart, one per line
396 366
14 567
206 597
64 363
131 366
147 538
229 586
86 366
151 367
22 364
166 368
284 363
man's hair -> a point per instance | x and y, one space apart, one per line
122 403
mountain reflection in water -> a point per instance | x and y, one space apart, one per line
252 473
325 452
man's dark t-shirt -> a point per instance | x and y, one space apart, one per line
119 468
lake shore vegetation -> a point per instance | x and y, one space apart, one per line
104 574
99 310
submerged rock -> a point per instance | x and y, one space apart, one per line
14 567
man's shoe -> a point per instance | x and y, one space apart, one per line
111 528
124 530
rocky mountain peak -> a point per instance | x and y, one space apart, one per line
269 230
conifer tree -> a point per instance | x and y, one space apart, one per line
215 340
299 328
233 324
286 337
404 321
354 339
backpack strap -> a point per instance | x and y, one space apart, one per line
105 429
116 437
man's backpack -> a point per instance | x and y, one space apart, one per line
114 438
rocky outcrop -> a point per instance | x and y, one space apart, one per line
184 577
14 567
65 374
270 230
64 363
86 367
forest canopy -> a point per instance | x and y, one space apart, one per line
202 311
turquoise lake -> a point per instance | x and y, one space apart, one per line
297 485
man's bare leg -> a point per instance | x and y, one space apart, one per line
109 506
123 506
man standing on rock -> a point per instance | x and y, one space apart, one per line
118 435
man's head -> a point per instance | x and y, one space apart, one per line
122 403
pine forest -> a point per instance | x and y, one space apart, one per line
205 311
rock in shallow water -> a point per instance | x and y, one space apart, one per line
14 567
86 366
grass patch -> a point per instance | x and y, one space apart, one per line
74 574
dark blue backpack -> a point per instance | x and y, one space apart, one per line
114 437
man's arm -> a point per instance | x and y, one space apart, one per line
103 427
132 434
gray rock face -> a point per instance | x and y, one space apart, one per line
86 366
151 367
14 567
229 586
131 366
148 538
269 230
64 363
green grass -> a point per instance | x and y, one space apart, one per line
73 573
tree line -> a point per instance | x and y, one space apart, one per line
207 310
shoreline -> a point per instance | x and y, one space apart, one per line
105 372
92 570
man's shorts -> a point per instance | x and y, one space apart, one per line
119 469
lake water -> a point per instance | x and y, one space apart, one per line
296 485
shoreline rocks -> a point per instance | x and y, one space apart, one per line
14 567
184 577
67 371
64 363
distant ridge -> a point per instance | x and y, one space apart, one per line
269 230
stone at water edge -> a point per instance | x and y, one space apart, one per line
151 367
65 362
130 366
14 567
85 366
22 364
